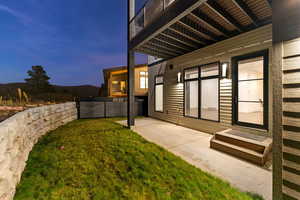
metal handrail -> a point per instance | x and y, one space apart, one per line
138 12
143 9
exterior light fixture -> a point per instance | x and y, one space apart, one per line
179 78
224 68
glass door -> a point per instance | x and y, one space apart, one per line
250 90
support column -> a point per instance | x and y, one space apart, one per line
277 120
130 97
130 66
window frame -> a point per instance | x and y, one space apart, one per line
235 88
199 79
219 89
156 84
184 92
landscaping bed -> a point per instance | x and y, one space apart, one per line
101 160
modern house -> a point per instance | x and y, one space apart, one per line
115 81
227 67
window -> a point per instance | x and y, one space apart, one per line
144 80
210 78
250 83
118 84
191 90
206 83
119 87
159 93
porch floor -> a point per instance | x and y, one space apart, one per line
193 146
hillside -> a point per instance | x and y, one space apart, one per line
75 91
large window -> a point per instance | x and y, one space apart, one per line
201 89
191 90
251 90
144 80
159 93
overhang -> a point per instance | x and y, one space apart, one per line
188 25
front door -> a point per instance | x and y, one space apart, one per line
250 89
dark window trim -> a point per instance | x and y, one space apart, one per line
265 55
199 79
155 84
256 79
187 69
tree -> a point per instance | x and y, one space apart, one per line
38 79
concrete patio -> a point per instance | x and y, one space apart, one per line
193 146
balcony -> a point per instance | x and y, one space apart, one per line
170 28
147 14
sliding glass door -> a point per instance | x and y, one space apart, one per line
250 90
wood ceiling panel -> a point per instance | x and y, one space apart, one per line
203 24
260 8
235 11
205 9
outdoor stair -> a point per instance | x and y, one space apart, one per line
246 146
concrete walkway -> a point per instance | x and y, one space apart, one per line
193 146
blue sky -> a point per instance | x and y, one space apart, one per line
72 39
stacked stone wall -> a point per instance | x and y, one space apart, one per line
19 133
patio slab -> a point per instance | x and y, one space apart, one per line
193 146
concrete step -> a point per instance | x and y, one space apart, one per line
238 151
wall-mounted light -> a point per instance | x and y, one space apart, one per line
179 77
224 68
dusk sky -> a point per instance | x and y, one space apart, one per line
73 39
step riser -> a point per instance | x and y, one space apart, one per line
244 144
235 152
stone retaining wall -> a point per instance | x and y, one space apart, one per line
18 135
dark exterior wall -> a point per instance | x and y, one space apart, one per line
291 118
257 40
286 17
286 44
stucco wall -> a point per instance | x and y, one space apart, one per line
18 135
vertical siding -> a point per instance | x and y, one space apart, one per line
253 41
291 119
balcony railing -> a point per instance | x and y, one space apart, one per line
147 14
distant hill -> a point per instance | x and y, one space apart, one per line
75 91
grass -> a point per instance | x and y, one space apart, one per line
101 160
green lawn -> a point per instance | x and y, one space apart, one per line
101 160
